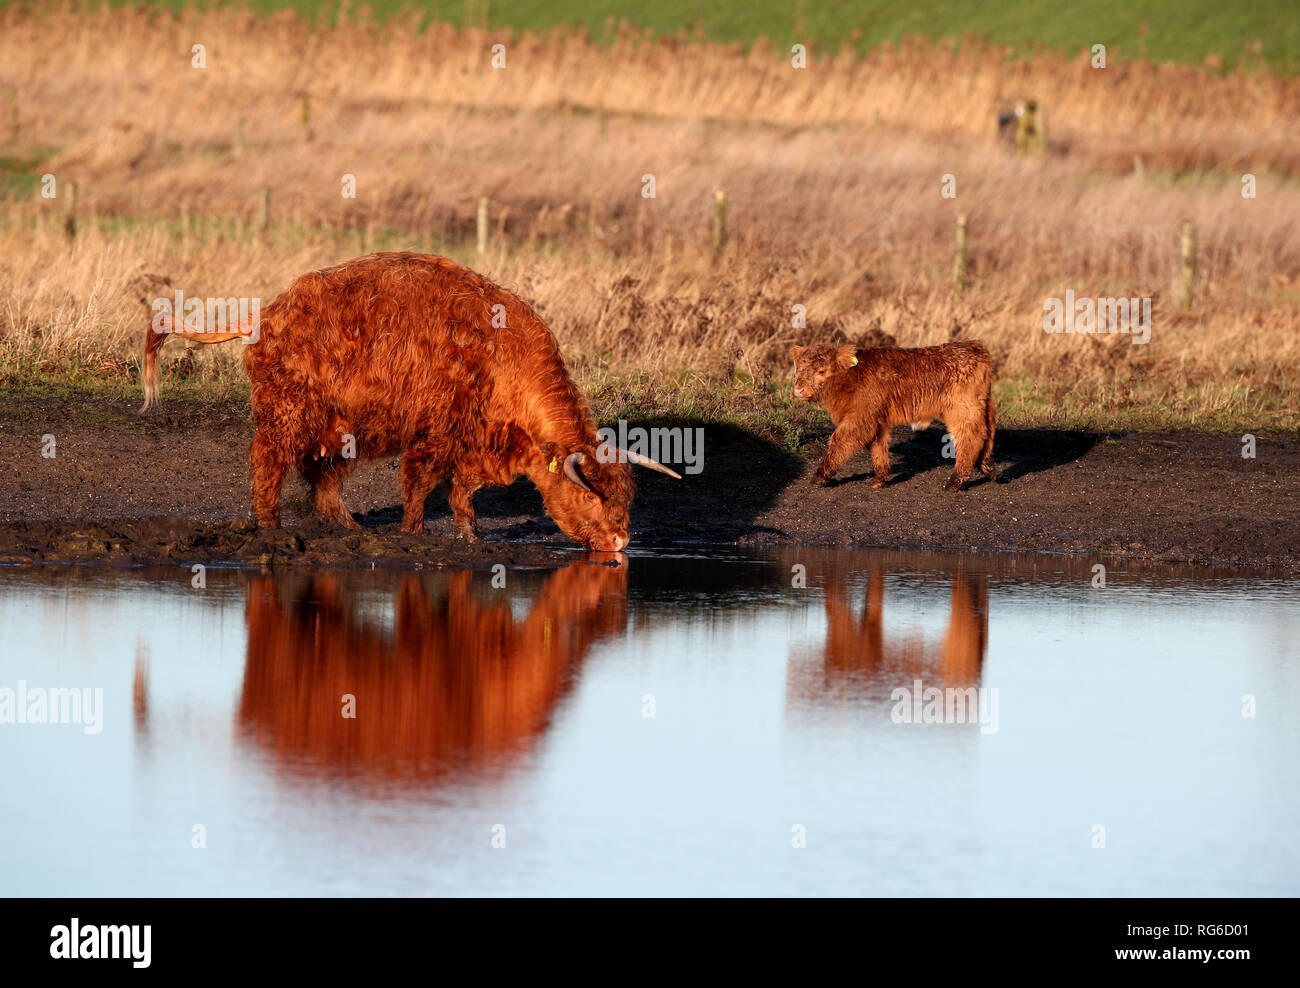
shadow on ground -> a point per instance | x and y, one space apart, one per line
1016 453
741 476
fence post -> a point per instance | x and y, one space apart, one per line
70 211
959 264
719 223
306 116
13 115
1189 264
482 224
238 149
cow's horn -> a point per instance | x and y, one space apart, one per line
571 471
645 461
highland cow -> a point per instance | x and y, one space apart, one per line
869 390
412 354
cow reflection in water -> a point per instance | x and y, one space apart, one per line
452 681
858 658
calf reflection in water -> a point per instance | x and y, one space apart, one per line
859 660
452 681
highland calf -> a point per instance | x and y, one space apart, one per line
869 390
413 354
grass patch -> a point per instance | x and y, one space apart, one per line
1187 31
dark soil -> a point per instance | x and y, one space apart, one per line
173 486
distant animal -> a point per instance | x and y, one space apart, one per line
867 390
413 354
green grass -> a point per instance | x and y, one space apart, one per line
1177 30
20 175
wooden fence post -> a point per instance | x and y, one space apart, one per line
484 204
960 262
719 223
70 210
1189 265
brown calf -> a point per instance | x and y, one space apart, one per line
869 390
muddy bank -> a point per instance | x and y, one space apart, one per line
174 487
178 541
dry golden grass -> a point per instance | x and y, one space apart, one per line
832 173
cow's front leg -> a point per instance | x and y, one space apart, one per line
845 441
461 499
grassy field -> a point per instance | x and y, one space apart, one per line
1187 31
833 179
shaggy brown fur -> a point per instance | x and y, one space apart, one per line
869 390
401 351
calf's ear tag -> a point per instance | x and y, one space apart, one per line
555 464
855 362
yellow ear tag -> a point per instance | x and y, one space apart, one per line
855 362
555 464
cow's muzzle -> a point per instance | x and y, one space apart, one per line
614 542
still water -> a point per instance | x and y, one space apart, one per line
700 723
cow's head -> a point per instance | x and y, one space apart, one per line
815 365
588 492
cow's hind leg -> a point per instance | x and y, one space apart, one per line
325 478
423 467
269 464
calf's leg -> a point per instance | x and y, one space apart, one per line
968 436
880 457
986 454
845 441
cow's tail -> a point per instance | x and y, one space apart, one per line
158 333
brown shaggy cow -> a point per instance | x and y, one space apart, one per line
413 354
869 390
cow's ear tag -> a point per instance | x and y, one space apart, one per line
855 362
555 464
